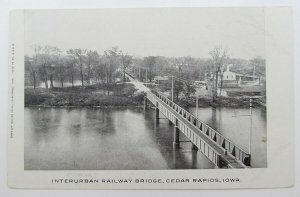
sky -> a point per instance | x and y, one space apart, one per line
172 32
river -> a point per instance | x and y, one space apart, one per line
127 139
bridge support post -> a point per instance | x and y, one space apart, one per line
194 147
247 160
194 159
145 102
176 137
157 114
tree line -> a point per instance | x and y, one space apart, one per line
48 64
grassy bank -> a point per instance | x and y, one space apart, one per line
78 96
122 95
236 102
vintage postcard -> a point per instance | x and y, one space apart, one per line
151 98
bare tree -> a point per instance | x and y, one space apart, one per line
54 64
92 58
45 61
79 55
112 62
126 62
70 62
61 69
149 63
219 57
33 63
188 90
100 70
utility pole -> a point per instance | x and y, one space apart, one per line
139 73
250 133
172 88
146 78
253 72
157 85
196 104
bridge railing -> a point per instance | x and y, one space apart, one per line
228 146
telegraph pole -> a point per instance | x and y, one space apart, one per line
196 104
157 85
250 133
146 78
172 88
139 73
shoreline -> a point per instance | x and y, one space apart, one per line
91 98
84 106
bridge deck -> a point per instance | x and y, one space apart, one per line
219 150
211 143
202 140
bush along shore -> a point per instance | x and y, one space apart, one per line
123 95
91 96
205 101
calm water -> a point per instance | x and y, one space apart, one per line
235 124
125 139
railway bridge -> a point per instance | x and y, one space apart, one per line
218 149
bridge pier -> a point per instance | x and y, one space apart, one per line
157 114
194 159
194 147
176 137
145 102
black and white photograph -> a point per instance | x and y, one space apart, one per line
145 89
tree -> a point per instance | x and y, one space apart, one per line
45 61
31 64
100 70
188 90
258 65
126 62
92 58
70 63
111 61
31 69
149 63
61 69
79 55
219 58
178 88
54 64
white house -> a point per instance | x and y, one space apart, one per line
228 75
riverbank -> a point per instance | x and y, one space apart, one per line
205 101
123 95
83 97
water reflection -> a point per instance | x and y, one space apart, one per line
91 139
235 124
125 139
